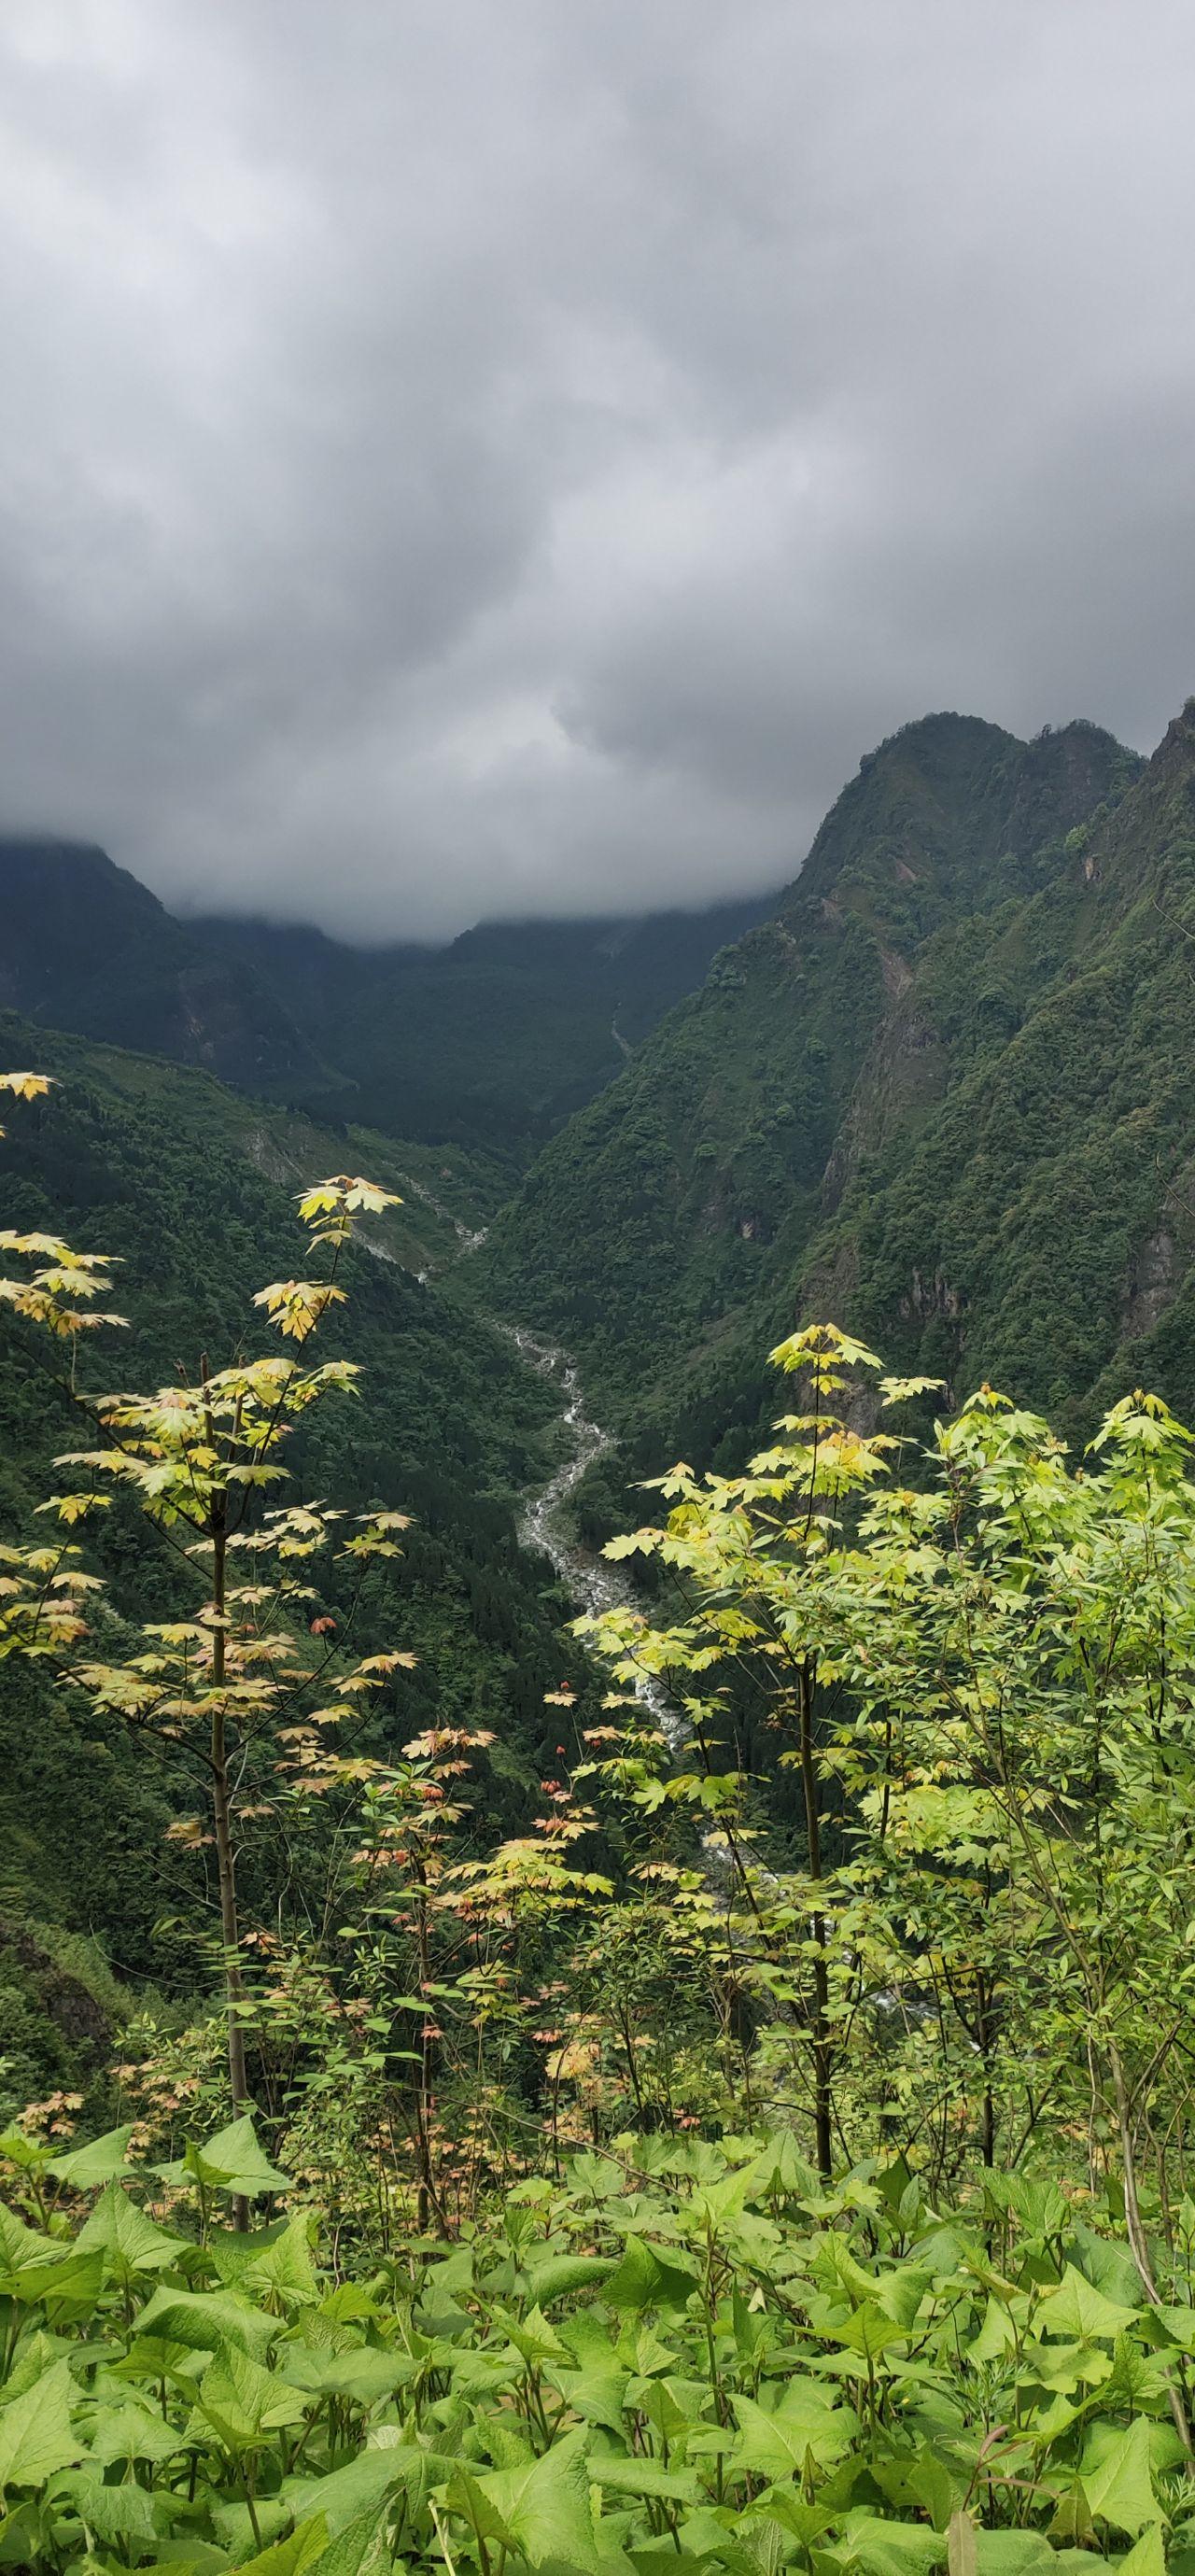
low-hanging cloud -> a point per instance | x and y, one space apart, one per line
461 459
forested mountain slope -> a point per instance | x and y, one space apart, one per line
498 1038
194 1191
492 1041
735 1173
1028 1211
85 946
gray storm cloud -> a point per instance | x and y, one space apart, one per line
460 458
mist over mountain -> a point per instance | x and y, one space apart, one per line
940 1089
496 1037
468 464
597 1288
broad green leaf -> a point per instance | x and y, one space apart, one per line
362 2547
900 2292
36 2353
1147 2557
1076 2308
644 2280
363 2481
203 2319
1110 2266
595 2394
131 2241
36 2434
1014 2553
1179 2324
921 2478
1117 2479
21 2245
869 2333
26 2153
730 2541
787 2506
996 2335
283 2271
69 2284
806 2424
564 2273
152 2358
113 2513
233 2161
131 2432
892 2548
233 2253
627 2474
544 2509
234 2528
242 2402
674 2407
291 2556
85 2168
363 2375
533 2337
201 2557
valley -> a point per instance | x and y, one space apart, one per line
801 1849
597 1291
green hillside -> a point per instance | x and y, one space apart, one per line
83 945
496 1039
1033 1221
490 1042
680 1222
193 1190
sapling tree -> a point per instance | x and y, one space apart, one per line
984 1678
243 1666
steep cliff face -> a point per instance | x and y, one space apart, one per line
670 1229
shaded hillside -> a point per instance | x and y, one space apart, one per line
496 1039
163 1169
492 1042
85 946
669 1231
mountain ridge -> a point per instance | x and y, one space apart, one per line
669 1228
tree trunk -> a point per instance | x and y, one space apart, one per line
230 1935
823 2058
1138 2243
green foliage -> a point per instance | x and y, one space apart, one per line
982 1683
151 1166
88 948
676 2354
497 1039
817 1127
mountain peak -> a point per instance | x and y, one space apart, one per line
950 814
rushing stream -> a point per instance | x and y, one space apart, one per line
545 1522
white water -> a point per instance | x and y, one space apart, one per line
545 1521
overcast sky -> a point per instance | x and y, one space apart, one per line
463 457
